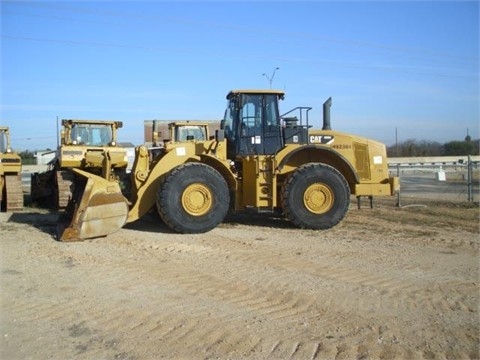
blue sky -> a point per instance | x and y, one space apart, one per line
409 65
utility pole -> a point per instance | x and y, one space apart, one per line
270 78
398 166
58 139
469 179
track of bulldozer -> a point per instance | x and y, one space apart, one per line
65 183
14 192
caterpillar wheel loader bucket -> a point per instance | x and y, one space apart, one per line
97 209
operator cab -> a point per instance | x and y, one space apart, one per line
252 123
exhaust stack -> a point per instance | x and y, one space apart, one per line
326 114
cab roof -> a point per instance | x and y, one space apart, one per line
280 93
118 124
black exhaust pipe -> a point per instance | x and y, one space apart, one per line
326 114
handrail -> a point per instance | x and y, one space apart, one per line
301 109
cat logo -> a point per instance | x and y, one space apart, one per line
321 139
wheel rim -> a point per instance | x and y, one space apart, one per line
197 199
318 198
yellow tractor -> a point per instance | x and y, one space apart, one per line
90 145
11 193
259 160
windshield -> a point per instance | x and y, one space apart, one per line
193 132
93 135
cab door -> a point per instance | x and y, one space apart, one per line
259 125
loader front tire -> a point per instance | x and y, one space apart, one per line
315 196
193 198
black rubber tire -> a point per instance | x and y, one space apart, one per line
206 186
315 196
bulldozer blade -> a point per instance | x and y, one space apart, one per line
99 210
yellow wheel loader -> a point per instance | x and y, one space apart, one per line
11 193
259 160
90 145
176 131
182 130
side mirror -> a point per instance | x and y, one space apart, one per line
222 124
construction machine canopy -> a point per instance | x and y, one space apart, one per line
90 132
280 93
117 124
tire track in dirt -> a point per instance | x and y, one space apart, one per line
224 331
186 326
227 295
398 287
386 286
412 295
281 304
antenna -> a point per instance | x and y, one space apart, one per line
270 78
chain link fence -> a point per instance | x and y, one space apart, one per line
458 182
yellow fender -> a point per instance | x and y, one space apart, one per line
146 194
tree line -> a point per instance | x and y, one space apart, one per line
28 157
413 148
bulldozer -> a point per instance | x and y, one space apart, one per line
259 160
90 145
11 193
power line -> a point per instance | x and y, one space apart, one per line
268 33
220 54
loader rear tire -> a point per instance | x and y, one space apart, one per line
193 198
315 196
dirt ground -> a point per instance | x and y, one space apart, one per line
386 283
